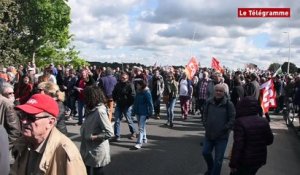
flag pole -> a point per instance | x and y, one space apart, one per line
193 40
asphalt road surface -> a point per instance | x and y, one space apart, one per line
177 151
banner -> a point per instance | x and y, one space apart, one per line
267 96
215 64
191 68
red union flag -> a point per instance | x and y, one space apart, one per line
191 68
268 96
215 64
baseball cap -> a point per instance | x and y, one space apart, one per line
40 103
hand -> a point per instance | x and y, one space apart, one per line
94 137
233 170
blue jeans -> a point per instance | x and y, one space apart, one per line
142 128
80 110
214 166
170 109
118 117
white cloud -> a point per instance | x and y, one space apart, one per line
151 30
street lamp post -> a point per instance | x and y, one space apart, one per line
288 66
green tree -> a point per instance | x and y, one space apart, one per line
9 50
273 67
45 28
293 67
36 29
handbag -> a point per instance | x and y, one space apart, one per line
166 98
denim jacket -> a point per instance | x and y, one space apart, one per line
143 103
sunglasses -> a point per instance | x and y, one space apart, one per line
40 90
31 118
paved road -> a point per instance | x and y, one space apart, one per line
177 151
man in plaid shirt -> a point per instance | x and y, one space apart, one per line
202 91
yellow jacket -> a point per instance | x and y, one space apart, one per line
61 157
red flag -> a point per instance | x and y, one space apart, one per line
191 68
268 96
215 64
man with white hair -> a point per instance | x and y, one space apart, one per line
218 119
7 90
8 116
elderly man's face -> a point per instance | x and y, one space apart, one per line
35 126
9 94
219 91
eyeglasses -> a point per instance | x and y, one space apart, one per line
9 93
40 90
31 118
217 90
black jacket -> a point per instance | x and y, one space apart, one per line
252 134
123 94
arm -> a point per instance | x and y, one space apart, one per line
231 112
149 103
12 125
115 92
106 126
269 135
205 113
162 86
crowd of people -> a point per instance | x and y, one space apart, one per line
35 104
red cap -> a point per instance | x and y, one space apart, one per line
40 103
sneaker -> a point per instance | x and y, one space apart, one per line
132 136
116 139
145 140
167 124
157 117
138 146
79 123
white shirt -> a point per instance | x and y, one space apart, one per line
184 90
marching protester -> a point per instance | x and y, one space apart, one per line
52 90
7 91
156 85
252 135
23 89
70 91
43 149
185 95
252 87
169 97
218 119
107 84
237 92
123 94
202 91
8 116
84 81
143 108
4 151
95 132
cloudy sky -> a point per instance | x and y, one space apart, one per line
169 32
